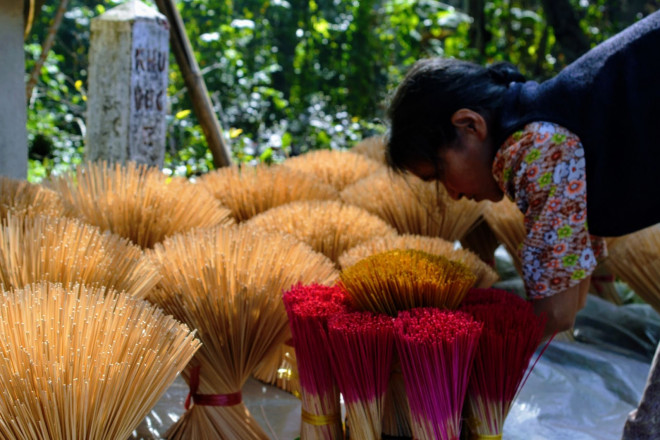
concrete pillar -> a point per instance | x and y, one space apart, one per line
127 91
13 109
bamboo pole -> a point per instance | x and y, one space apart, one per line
195 84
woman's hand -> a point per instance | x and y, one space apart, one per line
562 307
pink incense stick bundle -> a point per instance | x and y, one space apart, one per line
510 336
436 348
361 348
309 307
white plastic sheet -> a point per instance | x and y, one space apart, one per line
577 391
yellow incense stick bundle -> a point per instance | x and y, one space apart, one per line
508 224
19 198
330 227
139 203
66 250
413 206
635 258
404 279
334 167
248 191
227 283
83 363
485 275
372 147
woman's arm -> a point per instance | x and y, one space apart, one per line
562 307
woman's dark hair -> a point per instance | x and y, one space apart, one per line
432 91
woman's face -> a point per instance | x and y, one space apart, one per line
466 170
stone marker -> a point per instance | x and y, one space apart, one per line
127 93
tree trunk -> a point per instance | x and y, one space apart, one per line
563 18
478 34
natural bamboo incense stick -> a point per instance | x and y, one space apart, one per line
330 227
508 224
227 283
137 202
83 363
334 167
403 279
19 198
66 250
372 147
309 307
485 275
511 333
281 369
361 350
250 190
482 241
413 206
436 348
635 258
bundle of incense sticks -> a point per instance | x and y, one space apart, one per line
403 279
361 350
334 167
19 198
511 333
330 227
65 250
635 258
137 202
250 190
413 206
436 348
485 274
227 283
482 241
398 280
508 224
309 307
83 363
372 147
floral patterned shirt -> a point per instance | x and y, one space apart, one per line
542 169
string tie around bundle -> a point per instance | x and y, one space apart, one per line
319 420
230 399
473 422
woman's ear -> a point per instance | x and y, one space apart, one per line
470 122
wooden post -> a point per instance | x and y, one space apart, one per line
199 95
128 74
13 109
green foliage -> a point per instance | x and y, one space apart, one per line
286 76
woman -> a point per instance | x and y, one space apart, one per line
578 155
